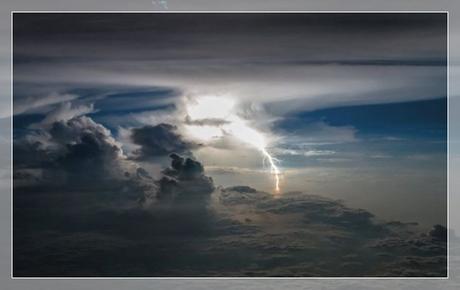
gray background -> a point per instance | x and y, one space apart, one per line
453 6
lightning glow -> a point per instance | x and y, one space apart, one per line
274 169
221 108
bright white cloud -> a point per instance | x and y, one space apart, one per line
222 109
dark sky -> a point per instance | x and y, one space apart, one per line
233 37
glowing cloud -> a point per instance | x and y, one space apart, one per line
212 108
203 133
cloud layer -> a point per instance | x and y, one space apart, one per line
318 61
98 213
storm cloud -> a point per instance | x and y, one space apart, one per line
159 140
71 149
106 204
235 231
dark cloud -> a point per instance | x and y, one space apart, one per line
94 151
159 140
235 231
424 254
82 199
298 234
240 189
85 206
80 153
185 182
29 153
206 122
225 32
92 223
439 232
70 151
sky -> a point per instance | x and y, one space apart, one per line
325 125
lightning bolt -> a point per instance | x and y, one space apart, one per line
220 108
273 169
239 129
